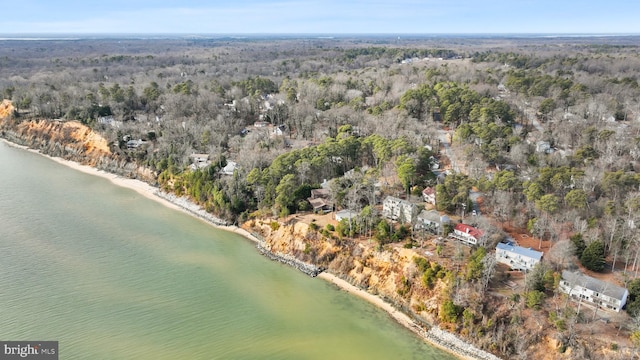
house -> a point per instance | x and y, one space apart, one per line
320 193
467 234
321 205
431 221
429 195
199 161
346 214
134 144
319 200
399 210
583 288
279 130
230 168
544 147
106 120
517 257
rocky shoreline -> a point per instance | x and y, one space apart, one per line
308 269
191 208
454 344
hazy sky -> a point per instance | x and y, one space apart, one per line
326 16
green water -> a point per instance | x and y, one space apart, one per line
113 275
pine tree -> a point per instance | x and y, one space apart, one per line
593 256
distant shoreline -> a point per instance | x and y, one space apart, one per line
434 336
294 36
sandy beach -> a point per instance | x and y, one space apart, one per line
434 336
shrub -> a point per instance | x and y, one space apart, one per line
275 225
422 263
535 299
330 227
314 226
449 312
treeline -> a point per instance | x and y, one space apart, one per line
284 186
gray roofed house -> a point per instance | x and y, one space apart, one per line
320 193
517 257
320 200
583 288
230 168
431 221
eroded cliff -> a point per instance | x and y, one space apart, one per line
69 140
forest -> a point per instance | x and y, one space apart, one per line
547 130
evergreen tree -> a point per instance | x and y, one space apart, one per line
593 256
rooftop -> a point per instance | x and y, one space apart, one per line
537 255
607 288
476 233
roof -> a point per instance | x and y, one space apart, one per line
398 200
476 233
428 191
318 203
607 288
431 215
320 193
532 254
230 168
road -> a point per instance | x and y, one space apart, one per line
444 137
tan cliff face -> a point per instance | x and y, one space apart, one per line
73 141
72 134
6 109
384 273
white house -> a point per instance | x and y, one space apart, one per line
279 130
399 210
199 161
583 288
517 257
230 168
134 144
429 195
544 147
467 234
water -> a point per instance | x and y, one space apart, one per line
113 275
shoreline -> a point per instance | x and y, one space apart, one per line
434 336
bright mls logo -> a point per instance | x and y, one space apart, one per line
10 350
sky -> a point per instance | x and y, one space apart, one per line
321 17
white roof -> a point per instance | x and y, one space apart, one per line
537 255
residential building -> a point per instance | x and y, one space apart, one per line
320 193
279 130
230 168
467 234
517 257
319 200
431 221
134 144
199 161
586 289
429 195
399 210
544 147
